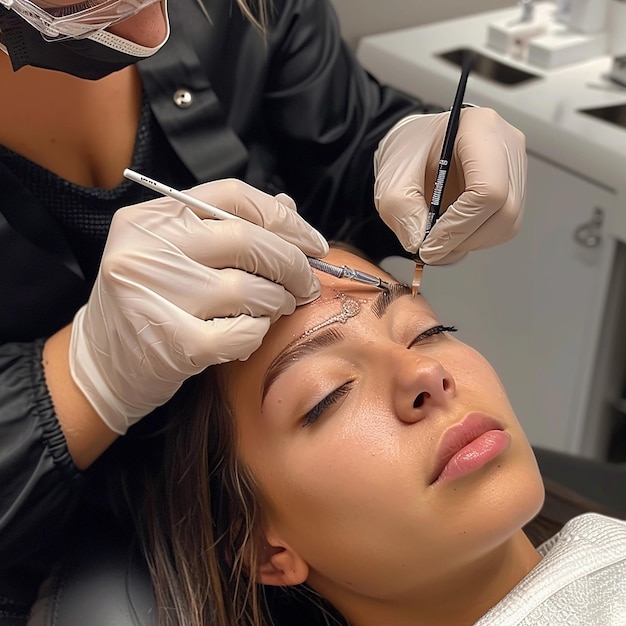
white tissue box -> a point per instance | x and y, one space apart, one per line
511 36
564 47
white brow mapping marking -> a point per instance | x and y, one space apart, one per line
349 308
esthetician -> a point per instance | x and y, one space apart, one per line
104 317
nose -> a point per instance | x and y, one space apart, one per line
422 384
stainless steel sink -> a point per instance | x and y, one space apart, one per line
489 68
613 114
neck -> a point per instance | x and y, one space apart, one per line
81 130
40 80
459 598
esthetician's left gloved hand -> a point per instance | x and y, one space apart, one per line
485 190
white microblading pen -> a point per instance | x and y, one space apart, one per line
212 212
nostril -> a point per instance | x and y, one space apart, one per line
446 384
421 398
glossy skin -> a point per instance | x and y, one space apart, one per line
349 505
147 28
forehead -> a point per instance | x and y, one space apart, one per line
288 328
336 305
337 295
290 331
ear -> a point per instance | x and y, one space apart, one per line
278 564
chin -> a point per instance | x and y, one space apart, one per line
515 488
501 498
517 492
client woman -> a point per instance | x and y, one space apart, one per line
366 458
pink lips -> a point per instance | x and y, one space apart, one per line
467 446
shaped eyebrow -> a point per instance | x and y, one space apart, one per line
305 346
295 351
387 297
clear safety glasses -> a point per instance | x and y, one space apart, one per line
75 21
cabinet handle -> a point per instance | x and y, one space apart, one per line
588 234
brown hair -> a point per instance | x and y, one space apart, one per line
256 11
200 508
198 511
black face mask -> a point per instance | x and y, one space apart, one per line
82 58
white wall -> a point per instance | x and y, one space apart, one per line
365 17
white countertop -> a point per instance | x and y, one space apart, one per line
545 109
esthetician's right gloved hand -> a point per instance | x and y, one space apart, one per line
176 293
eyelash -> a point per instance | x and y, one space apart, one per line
317 411
435 330
326 403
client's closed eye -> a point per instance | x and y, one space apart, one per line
435 330
322 406
332 398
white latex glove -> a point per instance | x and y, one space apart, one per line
176 293
485 190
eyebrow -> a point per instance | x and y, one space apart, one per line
298 349
387 297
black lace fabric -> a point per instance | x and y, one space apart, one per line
85 212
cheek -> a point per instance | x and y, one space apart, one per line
336 467
341 490
472 372
357 510
479 384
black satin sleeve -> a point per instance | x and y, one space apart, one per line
39 483
327 115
